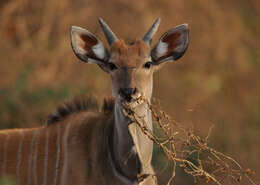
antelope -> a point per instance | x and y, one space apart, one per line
82 145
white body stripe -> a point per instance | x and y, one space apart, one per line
5 153
30 159
45 167
65 149
19 155
57 166
35 157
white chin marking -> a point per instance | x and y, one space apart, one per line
99 50
161 49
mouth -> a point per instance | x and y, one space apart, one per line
136 100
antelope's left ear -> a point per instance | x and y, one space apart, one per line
172 45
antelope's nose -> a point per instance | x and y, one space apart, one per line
127 93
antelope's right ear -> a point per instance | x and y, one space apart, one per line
87 47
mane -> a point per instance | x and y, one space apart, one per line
80 104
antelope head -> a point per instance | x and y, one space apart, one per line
131 66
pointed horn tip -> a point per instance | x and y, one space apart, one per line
153 29
109 34
156 23
158 20
101 21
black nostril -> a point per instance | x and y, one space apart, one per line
127 93
130 91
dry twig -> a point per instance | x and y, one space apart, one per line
189 151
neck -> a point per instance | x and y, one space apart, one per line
131 148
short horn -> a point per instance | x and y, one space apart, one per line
111 37
150 33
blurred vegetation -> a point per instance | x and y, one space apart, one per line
7 181
216 82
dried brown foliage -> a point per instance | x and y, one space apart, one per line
189 151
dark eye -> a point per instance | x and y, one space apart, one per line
112 66
147 65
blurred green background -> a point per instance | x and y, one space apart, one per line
216 82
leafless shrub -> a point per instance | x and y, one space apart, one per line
189 151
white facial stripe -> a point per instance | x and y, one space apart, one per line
99 50
45 167
65 147
161 49
19 155
5 153
57 166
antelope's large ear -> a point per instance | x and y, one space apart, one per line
172 45
87 47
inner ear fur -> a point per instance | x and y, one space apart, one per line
172 45
87 47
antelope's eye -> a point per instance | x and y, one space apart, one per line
147 65
112 66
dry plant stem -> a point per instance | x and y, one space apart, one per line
198 144
169 154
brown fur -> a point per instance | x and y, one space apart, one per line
27 155
129 55
89 160
130 60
